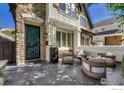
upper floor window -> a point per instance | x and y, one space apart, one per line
68 8
62 6
83 21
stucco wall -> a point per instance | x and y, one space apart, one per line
106 28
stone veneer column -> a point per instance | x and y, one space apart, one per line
20 38
43 43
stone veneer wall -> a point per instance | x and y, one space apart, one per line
40 11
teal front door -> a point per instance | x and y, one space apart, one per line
32 42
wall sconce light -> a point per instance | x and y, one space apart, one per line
46 38
45 35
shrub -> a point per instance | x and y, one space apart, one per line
2 76
2 73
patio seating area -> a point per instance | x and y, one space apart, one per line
78 68
72 69
94 67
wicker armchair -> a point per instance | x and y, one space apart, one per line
67 58
112 57
94 69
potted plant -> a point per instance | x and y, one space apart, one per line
122 65
2 76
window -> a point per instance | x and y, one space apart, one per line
58 38
84 39
68 8
83 21
62 6
63 39
69 40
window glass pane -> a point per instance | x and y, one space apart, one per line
62 6
87 41
67 10
84 39
69 39
58 38
63 39
73 12
82 21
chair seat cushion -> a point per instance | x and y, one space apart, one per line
108 60
97 59
100 59
94 69
76 60
98 69
110 54
68 58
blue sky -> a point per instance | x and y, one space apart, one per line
97 12
6 19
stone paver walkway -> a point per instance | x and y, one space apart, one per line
48 74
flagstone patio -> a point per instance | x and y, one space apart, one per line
49 74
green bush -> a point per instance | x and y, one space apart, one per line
2 73
2 76
122 65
